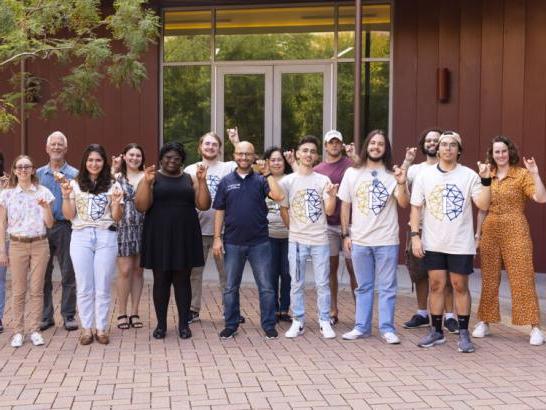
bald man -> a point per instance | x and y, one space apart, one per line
240 203
59 235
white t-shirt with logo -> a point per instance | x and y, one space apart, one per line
305 196
415 170
214 174
448 226
374 209
93 210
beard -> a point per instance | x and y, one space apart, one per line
376 159
431 152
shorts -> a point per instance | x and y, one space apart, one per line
462 264
415 265
334 240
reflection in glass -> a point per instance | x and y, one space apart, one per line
187 36
283 33
374 101
186 106
244 100
302 107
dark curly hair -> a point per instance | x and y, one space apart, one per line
421 143
513 152
125 150
268 152
104 179
173 146
387 156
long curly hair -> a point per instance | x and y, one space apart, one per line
513 152
104 179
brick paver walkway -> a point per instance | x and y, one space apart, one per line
137 371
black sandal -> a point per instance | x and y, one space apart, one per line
125 324
135 322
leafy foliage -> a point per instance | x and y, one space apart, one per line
93 48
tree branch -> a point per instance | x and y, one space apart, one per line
32 54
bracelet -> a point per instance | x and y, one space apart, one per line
217 237
486 181
414 233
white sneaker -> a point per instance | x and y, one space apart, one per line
17 340
391 338
295 330
481 330
37 339
353 335
326 329
537 337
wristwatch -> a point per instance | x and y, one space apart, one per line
413 233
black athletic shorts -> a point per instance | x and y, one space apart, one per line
463 264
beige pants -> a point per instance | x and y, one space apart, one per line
23 257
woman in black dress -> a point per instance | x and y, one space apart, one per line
171 239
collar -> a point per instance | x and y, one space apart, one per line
32 188
512 172
247 175
61 169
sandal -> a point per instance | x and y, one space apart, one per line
123 325
135 322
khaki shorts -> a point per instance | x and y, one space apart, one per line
334 239
415 265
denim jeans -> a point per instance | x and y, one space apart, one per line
367 261
259 257
320 257
3 270
94 252
280 271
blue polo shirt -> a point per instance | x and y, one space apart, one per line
243 200
45 175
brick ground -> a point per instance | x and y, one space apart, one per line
136 371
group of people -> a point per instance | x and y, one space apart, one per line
277 213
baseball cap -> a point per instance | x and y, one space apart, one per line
330 135
452 134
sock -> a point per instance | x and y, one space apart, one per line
449 315
437 323
463 321
423 313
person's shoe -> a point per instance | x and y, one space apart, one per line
70 323
86 338
481 330
1 326
333 320
271 334
465 344
391 338
326 329
353 335
102 338
184 333
194 317
416 321
36 339
432 339
242 319
228 333
295 330
159 333
17 340
452 325
536 337
46 324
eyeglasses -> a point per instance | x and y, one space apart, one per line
23 167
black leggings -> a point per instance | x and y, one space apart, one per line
180 280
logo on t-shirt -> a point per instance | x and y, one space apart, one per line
307 205
212 184
91 207
371 195
446 200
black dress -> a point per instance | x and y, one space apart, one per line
171 238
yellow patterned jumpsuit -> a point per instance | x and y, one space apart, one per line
506 241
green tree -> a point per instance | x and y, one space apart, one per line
75 33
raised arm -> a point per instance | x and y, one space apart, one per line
401 192
483 200
330 202
69 204
540 192
202 194
144 194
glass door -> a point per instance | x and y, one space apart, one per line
302 102
244 99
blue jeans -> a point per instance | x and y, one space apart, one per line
280 270
259 257
367 261
320 257
3 270
94 252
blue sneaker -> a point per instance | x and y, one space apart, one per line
433 338
465 344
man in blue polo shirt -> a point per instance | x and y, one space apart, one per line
240 203
59 235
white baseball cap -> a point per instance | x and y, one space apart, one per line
330 135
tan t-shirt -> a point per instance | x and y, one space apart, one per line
305 196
